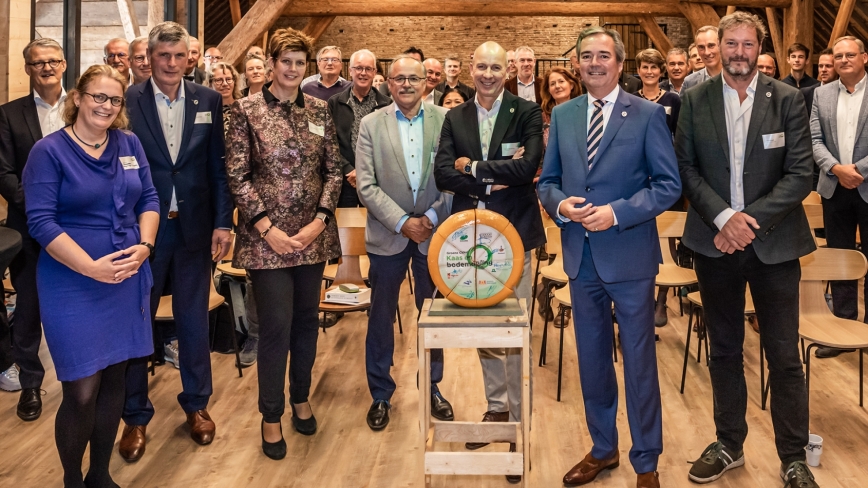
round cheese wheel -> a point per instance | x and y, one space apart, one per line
476 258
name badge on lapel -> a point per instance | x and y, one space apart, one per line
772 141
129 162
316 129
203 117
668 110
509 148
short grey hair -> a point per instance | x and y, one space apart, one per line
139 40
45 42
620 51
169 32
526 49
677 51
405 56
360 52
454 57
706 28
327 49
116 39
851 38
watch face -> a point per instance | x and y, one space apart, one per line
468 168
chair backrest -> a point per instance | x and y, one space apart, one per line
814 212
812 198
351 217
671 224
826 264
352 246
547 221
553 241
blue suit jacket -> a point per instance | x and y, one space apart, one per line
199 174
635 172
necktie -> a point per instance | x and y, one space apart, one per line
189 77
595 131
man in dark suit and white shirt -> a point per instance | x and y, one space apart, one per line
476 162
23 122
745 163
180 125
825 74
838 120
609 171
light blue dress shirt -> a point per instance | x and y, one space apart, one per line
412 141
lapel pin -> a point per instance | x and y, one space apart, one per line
512 110
623 114
195 102
768 94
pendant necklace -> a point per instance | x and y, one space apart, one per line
95 146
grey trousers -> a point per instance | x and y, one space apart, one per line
501 367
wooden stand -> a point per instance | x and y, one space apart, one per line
477 331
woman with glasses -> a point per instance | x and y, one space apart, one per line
224 79
284 173
92 207
255 75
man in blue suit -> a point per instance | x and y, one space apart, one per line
180 125
609 170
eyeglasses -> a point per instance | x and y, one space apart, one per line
849 56
101 98
139 59
222 81
363 69
211 56
414 80
53 63
330 60
116 55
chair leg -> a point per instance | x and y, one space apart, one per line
861 374
808 373
614 344
533 293
561 311
235 343
400 327
803 350
762 377
410 280
687 347
542 354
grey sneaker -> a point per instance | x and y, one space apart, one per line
798 475
170 353
249 351
9 379
716 459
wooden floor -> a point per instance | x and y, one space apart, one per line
346 453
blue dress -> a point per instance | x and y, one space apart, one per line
90 325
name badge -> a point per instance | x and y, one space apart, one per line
668 110
772 141
509 148
203 117
316 129
129 162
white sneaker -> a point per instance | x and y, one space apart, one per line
170 353
9 379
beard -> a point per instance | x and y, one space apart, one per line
740 73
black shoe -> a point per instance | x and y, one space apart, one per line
306 426
30 404
378 415
716 459
798 475
824 352
441 409
274 450
513 478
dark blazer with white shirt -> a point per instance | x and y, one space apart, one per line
776 178
518 122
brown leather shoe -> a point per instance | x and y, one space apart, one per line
201 427
589 468
488 417
648 480
132 445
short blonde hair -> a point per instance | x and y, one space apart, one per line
289 39
850 38
95 72
236 86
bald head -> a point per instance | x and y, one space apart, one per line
492 50
433 73
489 72
406 61
766 65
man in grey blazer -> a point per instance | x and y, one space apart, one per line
746 165
394 164
838 119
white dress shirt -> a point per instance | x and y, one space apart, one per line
412 134
429 98
171 115
486 119
847 114
50 116
737 124
527 91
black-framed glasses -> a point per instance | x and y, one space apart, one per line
101 98
53 63
116 55
363 69
222 81
330 60
212 56
414 80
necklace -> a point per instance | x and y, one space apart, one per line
95 146
659 95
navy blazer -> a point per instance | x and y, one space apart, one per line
199 174
635 172
19 131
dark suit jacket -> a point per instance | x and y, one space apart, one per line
342 114
808 92
630 83
518 121
199 173
19 131
776 180
511 86
199 76
634 171
468 92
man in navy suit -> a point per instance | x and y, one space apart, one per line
180 125
609 170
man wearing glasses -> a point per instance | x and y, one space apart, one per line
23 122
212 57
328 81
348 108
117 55
140 65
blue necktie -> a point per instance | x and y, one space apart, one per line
595 131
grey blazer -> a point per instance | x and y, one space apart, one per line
383 183
776 180
824 136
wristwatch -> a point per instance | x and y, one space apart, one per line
150 248
468 168
265 232
324 217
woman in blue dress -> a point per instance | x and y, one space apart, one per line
92 207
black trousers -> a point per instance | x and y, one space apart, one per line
26 321
10 245
842 214
775 290
288 304
349 197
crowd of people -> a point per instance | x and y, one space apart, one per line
123 190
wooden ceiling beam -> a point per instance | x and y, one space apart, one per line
776 36
798 26
316 26
235 11
255 22
461 8
699 15
842 20
655 33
